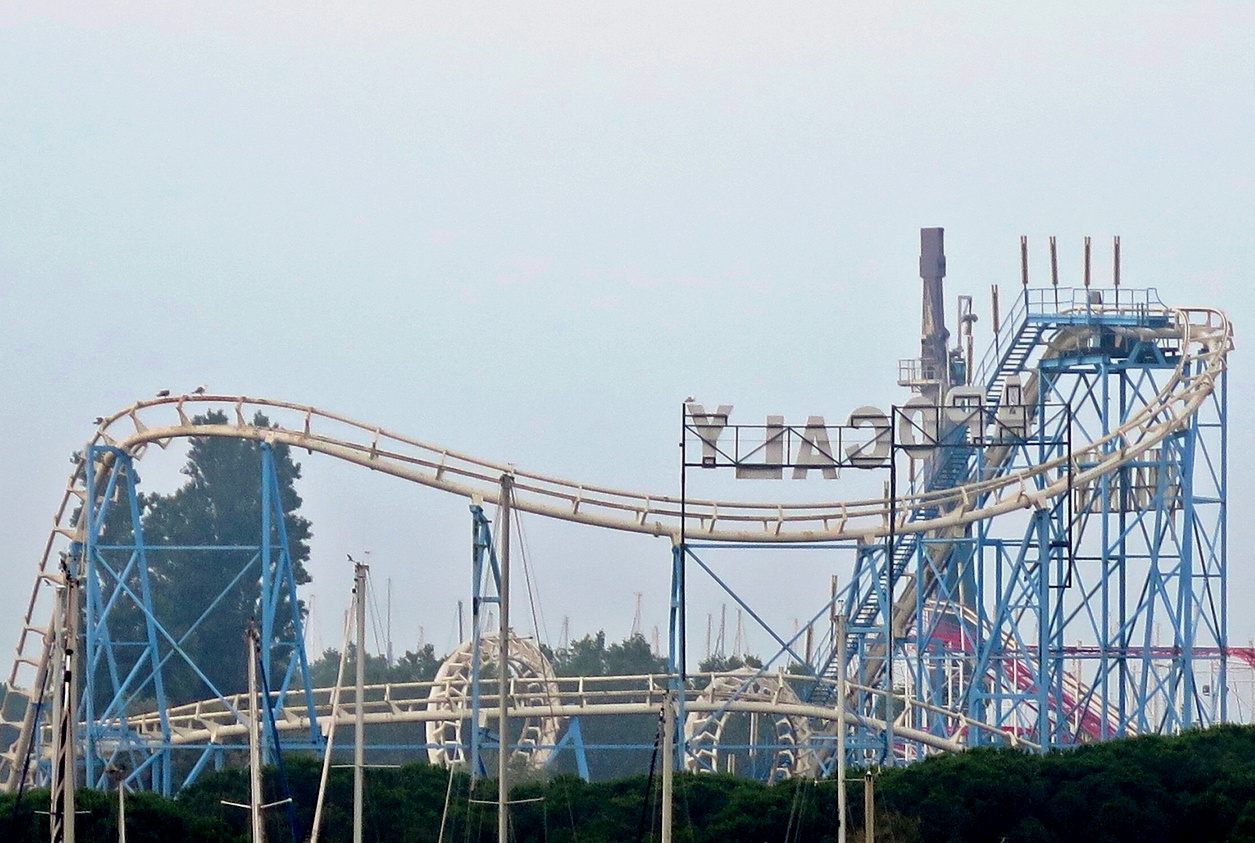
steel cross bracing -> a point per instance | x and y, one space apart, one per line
1109 518
132 649
1092 613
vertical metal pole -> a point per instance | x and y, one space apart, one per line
869 808
1223 549
254 740
677 655
70 688
1045 659
503 727
479 543
668 768
122 810
1186 575
891 584
995 314
359 724
1115 267
57 782
64 714
675 645
267 632
1087 254
1054 270
841 731
94 609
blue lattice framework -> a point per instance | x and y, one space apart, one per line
1063 618
486 591
1090 615
130 649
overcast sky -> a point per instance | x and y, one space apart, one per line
528 231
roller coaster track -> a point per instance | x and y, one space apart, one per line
222 721
947 494
1204 337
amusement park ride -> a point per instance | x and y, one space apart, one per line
1045 567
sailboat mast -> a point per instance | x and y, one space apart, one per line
359 725
503 727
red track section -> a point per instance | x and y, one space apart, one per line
1088 721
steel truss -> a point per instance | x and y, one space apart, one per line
1088 615
131 647
1055 571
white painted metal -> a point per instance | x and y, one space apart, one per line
1204 336
254 744
503 667
609 696
533 692
842 812
359 707
62 814
703 730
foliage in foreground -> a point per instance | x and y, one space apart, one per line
1199 786
1196 787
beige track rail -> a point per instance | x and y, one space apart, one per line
225 721
1204 335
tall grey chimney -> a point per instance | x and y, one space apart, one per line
933 334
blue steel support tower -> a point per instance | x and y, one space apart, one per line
130 646
1089 615
1062 580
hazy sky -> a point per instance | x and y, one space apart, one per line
528 231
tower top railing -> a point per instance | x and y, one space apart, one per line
1071 305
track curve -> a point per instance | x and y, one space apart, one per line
1204 334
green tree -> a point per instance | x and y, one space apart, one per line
590 656
721 664
415 666
219 506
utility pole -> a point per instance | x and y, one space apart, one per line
359 724
254 740
61 814
841 732
117 775
869 808
503 727
668 767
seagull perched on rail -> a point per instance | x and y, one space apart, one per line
200 390
165 393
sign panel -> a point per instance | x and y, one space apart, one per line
865 441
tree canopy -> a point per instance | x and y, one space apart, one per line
1198 787
591 656
414 666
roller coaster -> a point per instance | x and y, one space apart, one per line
1046 566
